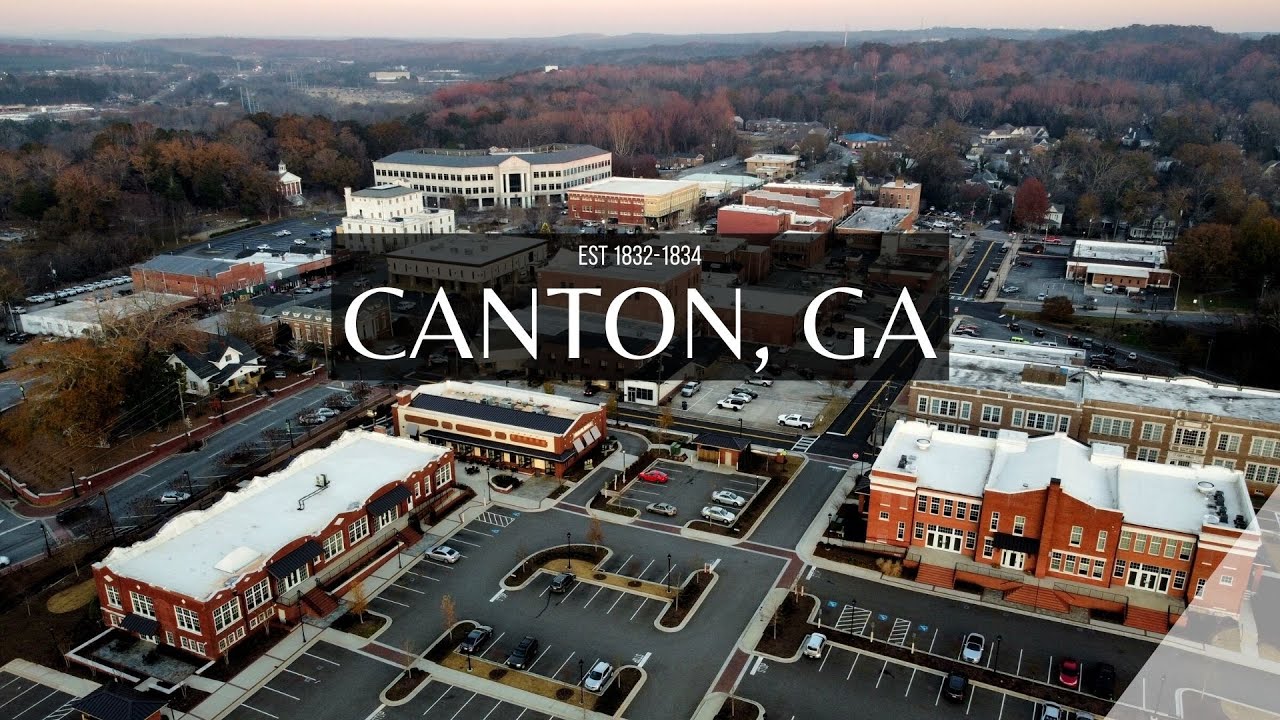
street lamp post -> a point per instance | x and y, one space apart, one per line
582 690
186 475
668 573
568 546
288 427
75 489
995 655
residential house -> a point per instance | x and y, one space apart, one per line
223 362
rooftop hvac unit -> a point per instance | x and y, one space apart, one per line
1241 523
902 462
322 480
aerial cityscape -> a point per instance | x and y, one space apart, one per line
688 361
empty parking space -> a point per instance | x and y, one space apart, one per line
805 397
440 701
22 699
689 490
317 685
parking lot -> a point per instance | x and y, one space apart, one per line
805 397
441 701
688 489
22 699
318 685
984 257
232 244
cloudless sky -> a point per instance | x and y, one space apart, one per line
529 18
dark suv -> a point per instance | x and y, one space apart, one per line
523 655
561 583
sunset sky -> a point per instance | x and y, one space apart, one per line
508 18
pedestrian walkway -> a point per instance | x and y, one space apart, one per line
804 443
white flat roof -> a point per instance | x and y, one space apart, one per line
201 552
773 157
1166 497
756 209
875 219
1119 251
963 345
519 397
635 186
828 187
1109 269
92 311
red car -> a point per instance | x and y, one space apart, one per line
1069 672
653 476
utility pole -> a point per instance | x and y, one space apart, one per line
75 489
106 504
48 548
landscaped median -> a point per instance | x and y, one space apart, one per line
615 697
584 562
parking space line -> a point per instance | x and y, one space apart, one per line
425 577
281 692
1049 679
910 680
46 697
901 626
463 706
405 587
615 603
881 676
566 662
624 564
566 595
1001 715
646 569
308 678
492 644
593 597
535 660
455 539
938 699
638 609
824 660
15 697
861 617
1018 671
264 712
854 665
323 658
447 688
495 707
967 707
393 602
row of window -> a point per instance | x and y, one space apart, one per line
1186 438
1019 523
948 507
448 177
1073 564
1139 542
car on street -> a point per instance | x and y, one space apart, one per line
954 687
474 639
279 374
282 233
311 419
1010 289
654 476
4 561
173 497
1104 681
444 554
304 290
661 508
715 513
393 350
795 420
727 497
761 380
599 675
563 582
524 653
299 241
1051 712
731 403
437 358
814 644
327 412
1069 672
690 388
264 247
589 390
1038 332
974 645
1132 356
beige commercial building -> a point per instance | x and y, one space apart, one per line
461 263
635 201
769 165
390 217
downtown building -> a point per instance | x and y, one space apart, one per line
285 545
390 217
496 177
637 202
1060 525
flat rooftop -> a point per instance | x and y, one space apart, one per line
542 155
1102 250
756 300
780 197
635 186
711 182
1154 495
818 187
89 310
385 191
202 552
773 158
875 219
515 406
186 265
757 209
468 249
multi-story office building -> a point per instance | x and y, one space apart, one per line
636 202
466 263
390 217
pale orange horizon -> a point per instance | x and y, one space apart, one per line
543 18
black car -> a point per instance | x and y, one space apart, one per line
74 514
1104 681
523 655
1038 332
1015 327
474 639
954 687
561 583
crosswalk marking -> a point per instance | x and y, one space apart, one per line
496 519
898 635
64 710
861 619
804 443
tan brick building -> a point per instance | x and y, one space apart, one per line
635 201
900 194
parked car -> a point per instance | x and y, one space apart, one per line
393 350
444 554
743 390
597 677
761 380
311 419
1104 681
74 514
438 358
974 645
690 388
1069 672
795 420
327 412
715 513
745 398
1132 356
304 290
1038 332
814 644
954 687
654 476
299 241
731 403
279 374
173 497
1051 712
727 497
524 653
264 247
563 582
661 508
474 639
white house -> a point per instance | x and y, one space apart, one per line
225 362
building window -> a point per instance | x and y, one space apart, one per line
995 521
1156 545
1055 561
1228 464
884 515
1228 442
934 503
1017 417
1184 550
1099 568
1186 437
1041 421
962 509
902 531
1200 588
1149 454
258 594
1077 535
988 432
1140 543
187 620
227 614
113 596
1126 539
1071 564
970 540
1170 548
191 645
1261 473
386 518
142 605
948 507
358 530
988 547
1115 427
1102 541
1226 580
443 476
992 413
1265 447
1152 432
1120 568
1019 524
921 503
974 511
919 531
1179 579
293 578
333 545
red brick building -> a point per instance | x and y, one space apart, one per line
635 201
765 222
834 201
196 277
518 428
285 545
1019 515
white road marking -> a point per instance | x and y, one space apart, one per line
393 602
934 640
566 662
322 659
881 676
714 563
405 587
424 577
447 688
1018 670
638 609
854 665
825 657
938 699
6 532
756 665
645 659
498 596
264 712
593 597
812 569
46 697
646 569
909 681
455 539
1049 679
459 710
970 704
377 712
535 660
492 644
1002 699
281 692
308 678
495 707
615 603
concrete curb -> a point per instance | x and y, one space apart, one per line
657 622
516 696
386 624
69 684
425 681
608 553
712 703
612 517
635 691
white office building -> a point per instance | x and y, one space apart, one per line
390 217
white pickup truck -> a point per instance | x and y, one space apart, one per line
796 420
